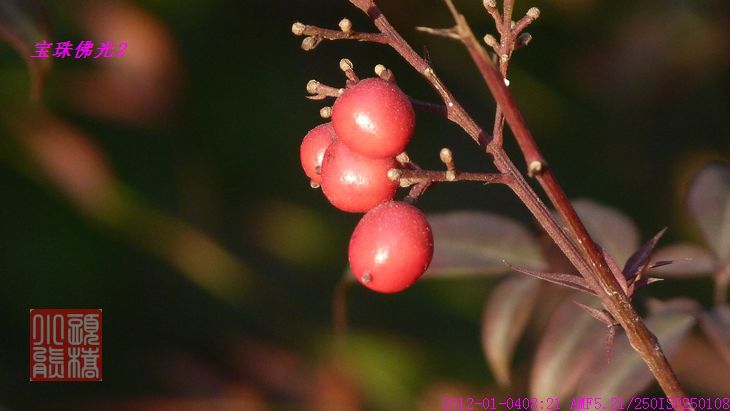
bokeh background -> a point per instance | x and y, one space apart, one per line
165 187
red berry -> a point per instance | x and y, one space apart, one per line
312 150
391 247
374 118
356 183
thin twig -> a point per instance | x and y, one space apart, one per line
321 91
609 291
596 273
301 29
410 177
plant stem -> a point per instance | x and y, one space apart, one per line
593 268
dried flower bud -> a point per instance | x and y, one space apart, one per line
490 4
312 86
446 156
346 64
310 43
491 41
394 174
524 39
403 158
298 28
379 69
533 13
345 25
325 112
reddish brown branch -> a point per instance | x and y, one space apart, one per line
411 177
608 290
583 253
321 91
320 33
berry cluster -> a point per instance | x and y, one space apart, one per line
350 158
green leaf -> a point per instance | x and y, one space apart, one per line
709 202
470 243
627 374
504 320
22 24
610 228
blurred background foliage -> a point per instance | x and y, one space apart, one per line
164 187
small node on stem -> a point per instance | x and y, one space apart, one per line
298 28
403 158
523 40
394 174
310 42
491 41
312 86
504 57
506 82
346 64
385 74
345 25
535 168
447 157
490 4
348 68
325 112
533 13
